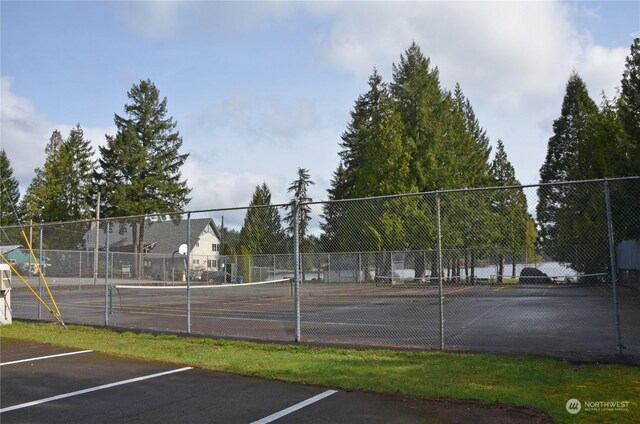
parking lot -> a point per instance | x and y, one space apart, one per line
47 384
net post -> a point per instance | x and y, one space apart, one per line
614 274
296 266
439 260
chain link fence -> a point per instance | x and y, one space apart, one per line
549 268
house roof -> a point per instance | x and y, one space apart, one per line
6 249
16 254
163 237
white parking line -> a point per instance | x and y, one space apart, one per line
93 389
295 407
45 357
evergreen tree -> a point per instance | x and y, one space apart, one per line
41 201
78 174
140 165
299 189
629 107
262 232
9 192
472 150
61 189
451 150
419 98
510 211
376 162
569 131
334 212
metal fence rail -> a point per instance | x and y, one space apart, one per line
450 270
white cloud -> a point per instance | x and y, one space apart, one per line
517 54
601 69
512 59
254 120
170 19
25 132
224 172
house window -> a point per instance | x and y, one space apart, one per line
196 261
212 263
215 247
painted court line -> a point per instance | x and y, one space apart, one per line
45 357
485 313
92 389
295 407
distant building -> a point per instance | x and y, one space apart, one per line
628 262
161 242
20 259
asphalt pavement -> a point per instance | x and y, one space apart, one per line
47 384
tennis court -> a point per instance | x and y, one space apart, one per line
564 318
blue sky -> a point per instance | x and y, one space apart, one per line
261 88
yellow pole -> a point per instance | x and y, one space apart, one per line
30 288
44 280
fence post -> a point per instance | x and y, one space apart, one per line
30 244
614 271
296 265
96 248
439 261
41 257
107 287
188 273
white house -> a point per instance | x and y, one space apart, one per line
161 243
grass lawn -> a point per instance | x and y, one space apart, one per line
544 384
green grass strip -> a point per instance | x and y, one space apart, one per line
533 382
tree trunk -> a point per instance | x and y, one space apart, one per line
141 250
473 267
500 278
134 239
466 265
419 265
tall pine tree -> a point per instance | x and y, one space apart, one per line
569 132
140 165
626 196
299 189
416 91
9 192
376 161
512 219
629 107
262 231
61 189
